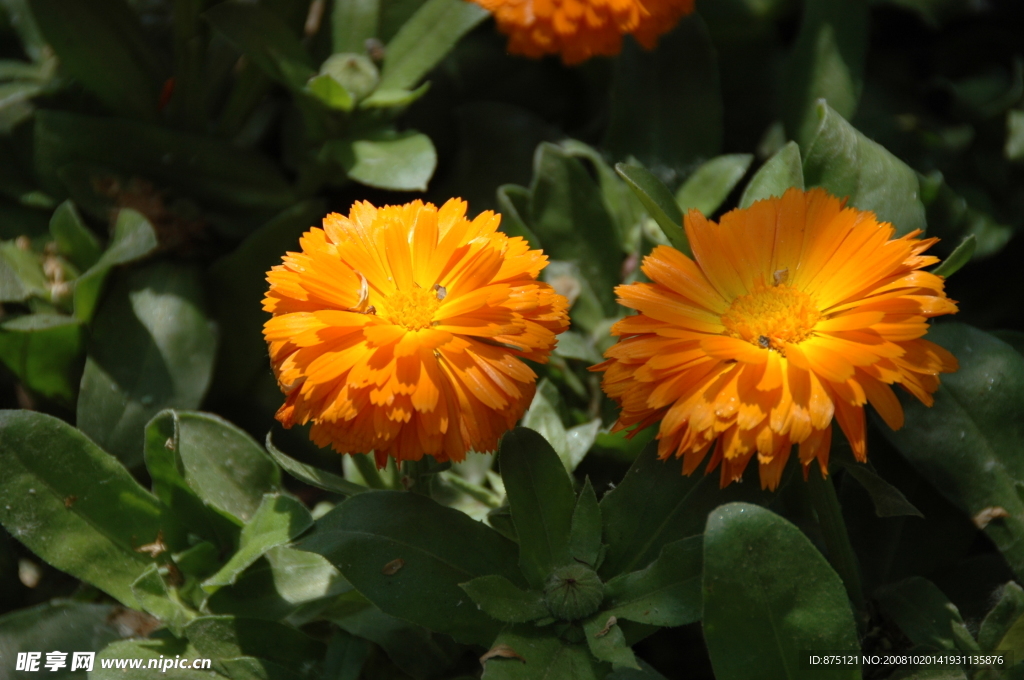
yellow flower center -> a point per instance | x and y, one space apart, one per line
414 309
771 316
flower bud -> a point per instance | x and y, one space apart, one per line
573 592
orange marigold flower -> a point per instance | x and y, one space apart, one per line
580 29
792 311
400 330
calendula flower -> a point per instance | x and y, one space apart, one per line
792 312
400 330
580 29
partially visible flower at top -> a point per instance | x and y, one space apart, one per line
580 29
400 330
795 310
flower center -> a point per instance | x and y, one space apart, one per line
414 309
771 316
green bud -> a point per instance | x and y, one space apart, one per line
573 592
355 72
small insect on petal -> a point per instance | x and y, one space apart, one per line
781 276
441 291
393 567
764 341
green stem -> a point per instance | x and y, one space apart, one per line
368 469
822 494
485 496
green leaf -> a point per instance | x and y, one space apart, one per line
514 207
666 103
1014 148
225 467
21 274
969 444
769 596
280 584
321 479
332 93
960 256
214 172
542 500
585 532
847 164
645 673
278 520
45 352
654 505
76 506
666 592
425 39
827 63
75 241
710 184
57 625
1003 618
152 348
951 218
541 654
568 215
780 172
408 555
504 600
607 642
658 202
156 599
101 44
156 649
353 22
346 654
260 35
888 500
403 162
925 614
229 637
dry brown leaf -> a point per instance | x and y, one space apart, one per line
500 652
392 567
982 519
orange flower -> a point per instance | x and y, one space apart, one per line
796 310
580 29
399 330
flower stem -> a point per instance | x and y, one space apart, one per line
367 468
822 494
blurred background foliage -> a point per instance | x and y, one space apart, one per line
158 156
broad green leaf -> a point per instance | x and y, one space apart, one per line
710 184
1014 149
346 655
408 555
541 655
57 625
657 201
229 637
645 673
168 470
666 103
847 164
45 351
321 479
504 600
353 22
260 35
888 500
607 642
925 614
585 532
573 345
425 39
101 44
214 172
654 505
153 650
403 162
780 172
278 520
827 63
1007 612
386 99
332 93
542 500
21 274
133 238
769 596
75 505
666 592
622 204
951 218
543 417
587 312
152 348
155 598
568 215
74 240
222 464
960 256
24 24
969 444
278 585
514 207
